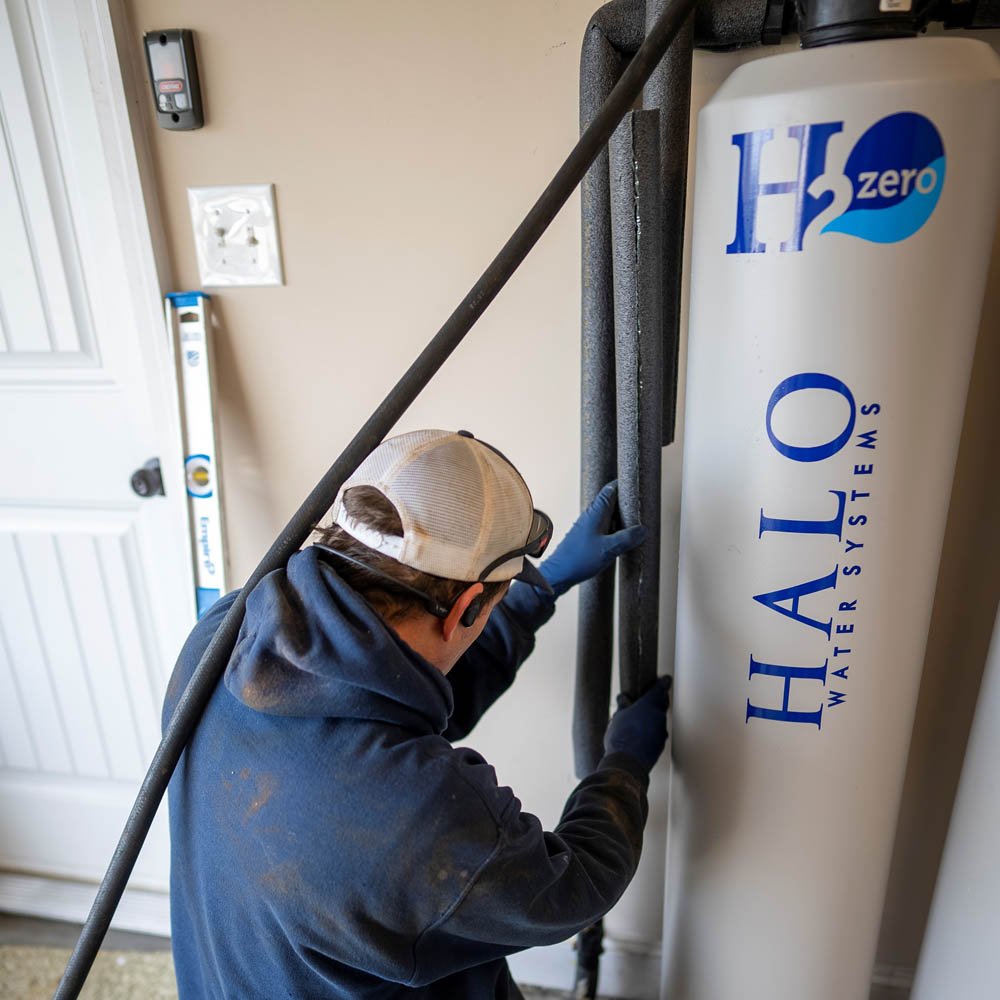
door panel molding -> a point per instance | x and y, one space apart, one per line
45 302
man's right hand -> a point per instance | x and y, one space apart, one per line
590 546
640 729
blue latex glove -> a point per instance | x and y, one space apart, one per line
587 548
639 729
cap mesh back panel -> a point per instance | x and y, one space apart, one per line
442 490
461 504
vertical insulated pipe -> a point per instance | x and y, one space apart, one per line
636 200
612 36
669 90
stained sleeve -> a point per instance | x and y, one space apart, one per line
490 665
538 887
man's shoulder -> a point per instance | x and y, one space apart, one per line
468 780
193 649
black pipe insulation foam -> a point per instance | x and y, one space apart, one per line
612 36
636 199
725 25
669 91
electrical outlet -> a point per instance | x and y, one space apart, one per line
236 235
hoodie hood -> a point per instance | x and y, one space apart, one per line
310 646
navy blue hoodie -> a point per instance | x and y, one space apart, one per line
328 841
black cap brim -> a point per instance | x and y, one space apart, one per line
531 574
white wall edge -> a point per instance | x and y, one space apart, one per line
58 899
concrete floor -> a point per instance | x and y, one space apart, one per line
33 955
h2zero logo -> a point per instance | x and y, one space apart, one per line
895 174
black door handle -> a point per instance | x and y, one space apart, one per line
147 481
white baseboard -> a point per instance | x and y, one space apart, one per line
59 899
627 971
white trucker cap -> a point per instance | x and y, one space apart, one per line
462 504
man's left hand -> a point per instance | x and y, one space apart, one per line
588 548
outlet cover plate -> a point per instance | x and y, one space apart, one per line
236 235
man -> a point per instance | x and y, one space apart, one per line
328 841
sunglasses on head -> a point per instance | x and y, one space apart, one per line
538 541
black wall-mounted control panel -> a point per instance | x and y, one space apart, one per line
173 74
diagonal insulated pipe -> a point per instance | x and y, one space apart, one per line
612 37
636 198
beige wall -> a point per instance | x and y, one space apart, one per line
405 142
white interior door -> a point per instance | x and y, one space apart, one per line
96 591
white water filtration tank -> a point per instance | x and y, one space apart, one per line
845 200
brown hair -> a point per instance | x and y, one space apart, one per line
374 510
